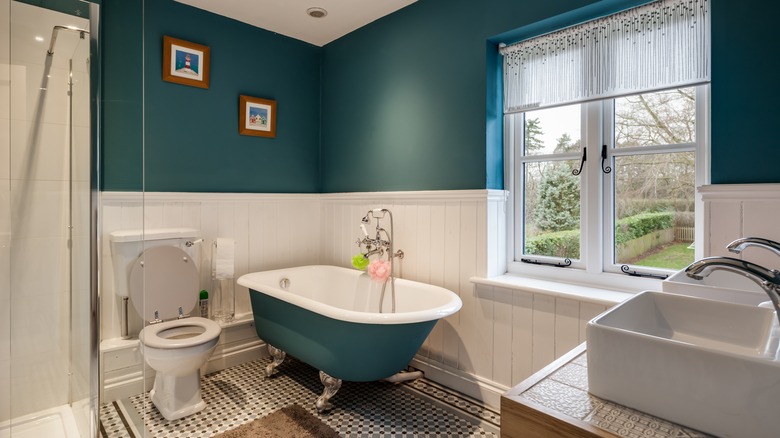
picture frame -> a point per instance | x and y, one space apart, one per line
185 63
257 116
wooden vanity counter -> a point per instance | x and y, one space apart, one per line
555 402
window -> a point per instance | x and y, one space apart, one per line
606 128
639 201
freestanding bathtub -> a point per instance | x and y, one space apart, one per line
328 317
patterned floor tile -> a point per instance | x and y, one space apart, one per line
240 394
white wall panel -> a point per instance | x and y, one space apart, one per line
501 335
543 335
270 231
567 325
522 336
736 210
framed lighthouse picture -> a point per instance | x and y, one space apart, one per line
257 116
185 62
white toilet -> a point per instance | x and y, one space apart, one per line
156 269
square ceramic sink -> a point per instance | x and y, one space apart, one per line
718 285
709 365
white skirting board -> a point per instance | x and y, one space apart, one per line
486 391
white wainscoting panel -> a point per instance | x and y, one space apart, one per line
501 335
270 231
732 211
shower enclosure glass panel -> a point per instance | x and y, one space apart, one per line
47 186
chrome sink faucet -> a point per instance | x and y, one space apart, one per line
768 279
740 244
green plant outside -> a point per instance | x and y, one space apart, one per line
567 243
634 227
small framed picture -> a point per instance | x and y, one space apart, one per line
257 116
185 62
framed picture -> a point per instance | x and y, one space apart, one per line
185 62
257 116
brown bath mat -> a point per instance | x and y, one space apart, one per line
289 422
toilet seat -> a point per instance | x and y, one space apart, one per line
163 279
150 335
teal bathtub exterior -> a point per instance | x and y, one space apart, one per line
353 351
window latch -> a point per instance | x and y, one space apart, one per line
626 270
566 262
603 159
576 172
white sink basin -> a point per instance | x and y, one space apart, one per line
701 363
718 285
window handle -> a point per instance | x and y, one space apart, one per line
626 270
603 159
566 262
576 172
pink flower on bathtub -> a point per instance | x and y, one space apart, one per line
379 270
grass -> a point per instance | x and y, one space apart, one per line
675 255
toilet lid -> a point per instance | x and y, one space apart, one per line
163 278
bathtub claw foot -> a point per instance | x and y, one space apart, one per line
278 357
332 385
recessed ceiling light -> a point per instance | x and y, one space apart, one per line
316 12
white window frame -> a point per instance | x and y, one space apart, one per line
596 218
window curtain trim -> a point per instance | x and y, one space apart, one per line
614 95
660 45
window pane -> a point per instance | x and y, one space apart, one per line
552 130
665 117
552 209
654 210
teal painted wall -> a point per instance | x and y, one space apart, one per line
73 7
409 102
122 95
745 92
190 135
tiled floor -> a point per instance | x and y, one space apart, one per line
241 394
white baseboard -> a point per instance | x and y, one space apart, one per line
137 379
486 391
236 355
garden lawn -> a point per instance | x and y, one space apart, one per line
674 256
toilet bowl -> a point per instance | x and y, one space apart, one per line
176 350
162 284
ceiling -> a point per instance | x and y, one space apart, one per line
289 17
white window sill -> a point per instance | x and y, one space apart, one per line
596 295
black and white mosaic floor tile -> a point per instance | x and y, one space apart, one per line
240 394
